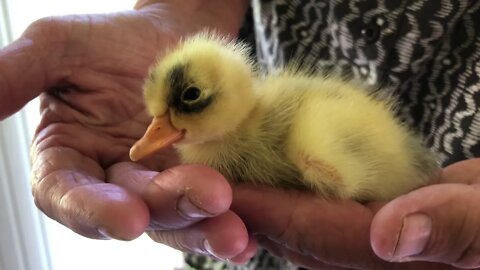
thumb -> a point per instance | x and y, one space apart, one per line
439 223
27 65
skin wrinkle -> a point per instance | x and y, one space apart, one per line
49 115
98 79
73 75
42 170
84 112
62 140
157 226
172 237
465 227
294 257
77 26
61 98
47 188
87 220
167 36
40 30
154 224
56 135
286 232
462 258
137 178
467 213
72 212
371 262
475 180
75 164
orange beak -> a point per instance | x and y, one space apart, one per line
159 135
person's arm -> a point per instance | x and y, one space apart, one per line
435 227
89 71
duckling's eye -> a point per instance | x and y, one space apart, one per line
191 94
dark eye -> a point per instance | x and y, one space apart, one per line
190 94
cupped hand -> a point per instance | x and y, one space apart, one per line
435 227
89 70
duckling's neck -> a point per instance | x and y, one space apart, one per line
248 125
207 151
219 154
246 153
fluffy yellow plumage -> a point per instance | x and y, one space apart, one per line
289 129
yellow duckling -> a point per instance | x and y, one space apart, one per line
289 129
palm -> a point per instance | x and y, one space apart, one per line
93 111
97 107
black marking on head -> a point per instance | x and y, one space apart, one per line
181 101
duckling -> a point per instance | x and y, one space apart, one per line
289 129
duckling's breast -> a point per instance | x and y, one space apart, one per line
255 153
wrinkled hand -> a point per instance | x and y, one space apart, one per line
435 227
89 70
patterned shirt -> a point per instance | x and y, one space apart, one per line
426 52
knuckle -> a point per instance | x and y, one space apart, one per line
288 233
467 245
44 164
47 27
41 191
51 134
170 238
470 257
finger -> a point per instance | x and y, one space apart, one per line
30 65
464 172
309 225
177 197
294 257
246 255
311 262
223 237
69 188
435 223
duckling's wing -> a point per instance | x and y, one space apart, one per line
350 145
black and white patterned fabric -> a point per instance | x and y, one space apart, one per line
426 52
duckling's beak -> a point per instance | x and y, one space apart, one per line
159 135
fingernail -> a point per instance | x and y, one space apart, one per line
189 210
109 235
243 258
209 249
413 237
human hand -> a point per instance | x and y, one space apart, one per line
89 71
438 223
320 234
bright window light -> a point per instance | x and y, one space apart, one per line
68 250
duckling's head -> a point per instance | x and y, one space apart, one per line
199 92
